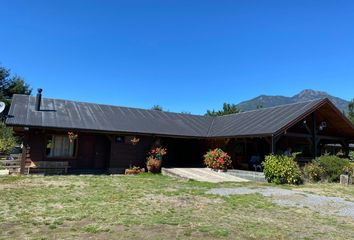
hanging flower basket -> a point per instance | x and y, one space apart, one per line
72 136
134 141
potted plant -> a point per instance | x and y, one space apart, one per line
217 160
72 136
154 160
134 141
153 165
134 170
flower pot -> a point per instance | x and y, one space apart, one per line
134 171
158 164
4 172
153 168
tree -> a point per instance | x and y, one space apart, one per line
226 110
7 139
351 110
157 108
10 85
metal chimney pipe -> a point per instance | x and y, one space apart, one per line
38 99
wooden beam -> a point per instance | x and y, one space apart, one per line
298 135
340 139
314 134
273 145
321 137
24 153
345 146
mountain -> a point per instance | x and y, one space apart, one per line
306 95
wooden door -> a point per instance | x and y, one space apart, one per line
101 152
86 151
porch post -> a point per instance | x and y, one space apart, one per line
345 145
273 147
314 134
24 153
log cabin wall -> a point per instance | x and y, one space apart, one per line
123 153
35 145
92 150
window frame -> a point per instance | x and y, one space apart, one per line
76 144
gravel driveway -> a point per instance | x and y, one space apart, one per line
290 198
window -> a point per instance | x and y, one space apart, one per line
60 146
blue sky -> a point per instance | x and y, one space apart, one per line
184 55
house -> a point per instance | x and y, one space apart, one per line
101 134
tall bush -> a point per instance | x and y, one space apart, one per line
334 166
281 169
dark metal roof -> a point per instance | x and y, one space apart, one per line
64 114
71 115
265 121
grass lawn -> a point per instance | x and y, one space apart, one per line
156 207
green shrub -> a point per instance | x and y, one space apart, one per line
281 169
334 166
314 172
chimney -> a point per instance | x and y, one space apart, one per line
38 99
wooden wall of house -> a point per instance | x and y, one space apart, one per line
35 145
123 154
102 151
93 150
